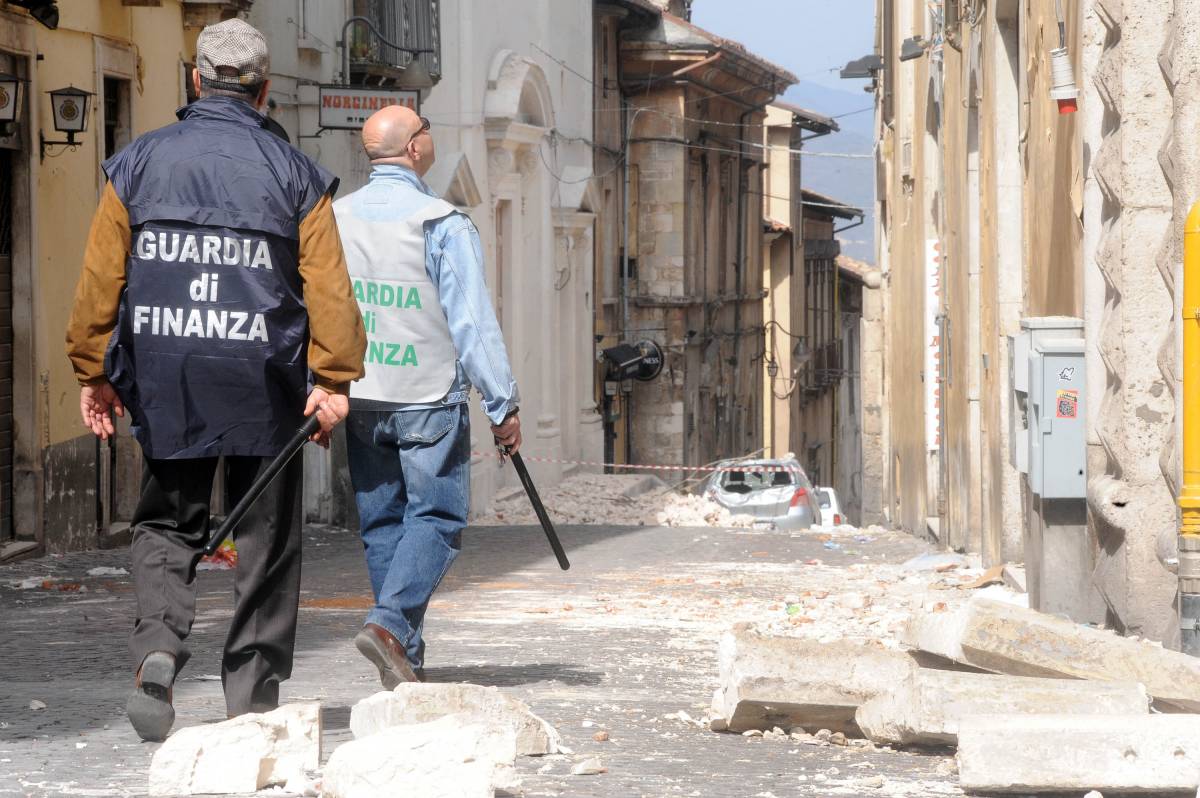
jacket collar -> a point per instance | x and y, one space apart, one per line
225 109
395 173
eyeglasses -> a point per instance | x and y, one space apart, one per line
424 128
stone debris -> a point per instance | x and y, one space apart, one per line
1074 753
420 703
791 682
451 757
616 499
696 511
927 708
589 767
1004 638
241 755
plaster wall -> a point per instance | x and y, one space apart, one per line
510 118
56 468
909 221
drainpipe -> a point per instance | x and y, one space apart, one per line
1189 495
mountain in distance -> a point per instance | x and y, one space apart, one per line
848 180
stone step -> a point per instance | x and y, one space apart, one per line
1004 638
927 708
1025 754
793 682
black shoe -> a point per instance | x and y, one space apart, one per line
384 650
149 707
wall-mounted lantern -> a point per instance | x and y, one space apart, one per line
10 102
71 107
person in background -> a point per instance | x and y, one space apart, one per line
416 264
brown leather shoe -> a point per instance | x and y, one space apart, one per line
384 650
149 708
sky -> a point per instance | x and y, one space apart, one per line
814 39
807 37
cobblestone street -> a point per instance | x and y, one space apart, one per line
619 643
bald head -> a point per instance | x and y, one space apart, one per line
393 135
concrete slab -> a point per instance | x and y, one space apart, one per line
791 682
927 708
1152 754
1004 638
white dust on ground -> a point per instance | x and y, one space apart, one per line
870 599
611 500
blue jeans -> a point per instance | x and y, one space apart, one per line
411 472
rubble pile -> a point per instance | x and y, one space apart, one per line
611 499
684 510
241 755
1033 703
437 740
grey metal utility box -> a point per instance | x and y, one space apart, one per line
1057 408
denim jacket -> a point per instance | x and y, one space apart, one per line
454 262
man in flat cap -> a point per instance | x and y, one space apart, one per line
215 308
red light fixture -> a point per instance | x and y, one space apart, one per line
1062 77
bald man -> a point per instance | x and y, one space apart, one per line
416 265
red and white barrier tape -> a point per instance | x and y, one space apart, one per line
752 468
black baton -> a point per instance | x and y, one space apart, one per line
536 501
294 445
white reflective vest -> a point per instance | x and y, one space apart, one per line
410 355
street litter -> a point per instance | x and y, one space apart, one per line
224 559
589 767
936 561
108 571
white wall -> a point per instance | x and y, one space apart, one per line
506 145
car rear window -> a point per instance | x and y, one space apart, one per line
750 480
823 498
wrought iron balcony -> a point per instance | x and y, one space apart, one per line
411 24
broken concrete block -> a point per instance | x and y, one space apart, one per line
1073 753
415 702
1004 638
939 634
448 758
926 708
240 755
793 682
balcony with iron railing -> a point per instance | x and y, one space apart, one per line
413 25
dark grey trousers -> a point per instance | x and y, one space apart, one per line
170 528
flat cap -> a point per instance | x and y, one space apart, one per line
232 55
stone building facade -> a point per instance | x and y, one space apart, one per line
685 266
995 207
